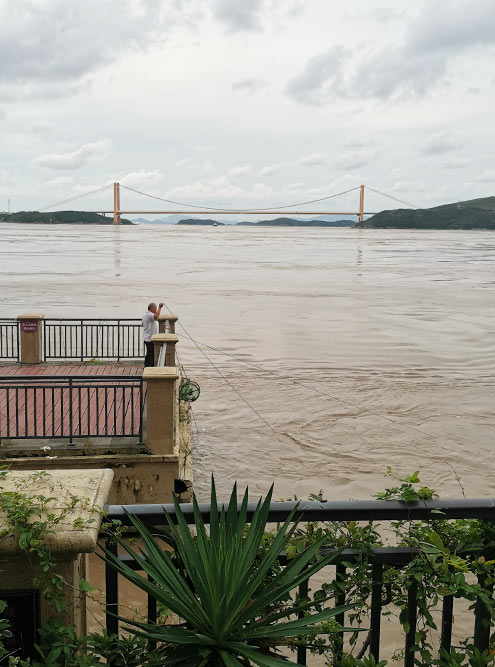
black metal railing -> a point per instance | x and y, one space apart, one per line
71 407
92 339
379 559
9 339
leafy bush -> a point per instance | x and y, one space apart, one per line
235 610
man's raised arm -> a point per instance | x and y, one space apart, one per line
158 311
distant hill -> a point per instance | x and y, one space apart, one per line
278 222
293 222
60 218
169 220
470 214
174 218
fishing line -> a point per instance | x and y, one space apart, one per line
222 375
181 365
313 389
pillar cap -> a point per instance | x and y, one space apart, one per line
91 487
169 317
31 316
164 338
153 373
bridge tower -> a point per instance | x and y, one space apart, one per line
116 203
361 204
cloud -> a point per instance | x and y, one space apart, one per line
488 176
458 163
215 190
203 148
313 159
438 144
141 177
249 86
75 159
240 172
41 127
270 169
58 42
357 143
182 163
238 14
442 31
408 186
320 73
294 187
354 159
62 180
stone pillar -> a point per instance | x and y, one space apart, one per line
162 321
161 409
78 495
170 340
31 325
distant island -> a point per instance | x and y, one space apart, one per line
470 214
60 218
291 222
278 222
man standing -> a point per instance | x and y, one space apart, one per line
149 328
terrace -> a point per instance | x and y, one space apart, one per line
74 393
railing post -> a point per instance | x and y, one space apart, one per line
162 321
161 408
170 339
31 351
71 426
82 336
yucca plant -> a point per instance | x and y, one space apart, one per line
233 601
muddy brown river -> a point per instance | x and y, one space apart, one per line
354 349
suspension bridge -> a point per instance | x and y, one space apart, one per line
181 208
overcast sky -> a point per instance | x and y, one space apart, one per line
243 103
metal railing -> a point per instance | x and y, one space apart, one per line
9 339
71 407
379 559
92 339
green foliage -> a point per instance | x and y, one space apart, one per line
233 595
473 214
30 517
235 607
59 217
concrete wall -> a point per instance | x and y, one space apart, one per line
138 478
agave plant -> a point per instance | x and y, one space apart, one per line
233 601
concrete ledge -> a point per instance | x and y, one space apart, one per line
160 373
78 531
137 478
164 338
31 316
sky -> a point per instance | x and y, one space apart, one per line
246 103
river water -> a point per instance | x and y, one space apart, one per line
372 348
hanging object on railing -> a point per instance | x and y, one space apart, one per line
189 391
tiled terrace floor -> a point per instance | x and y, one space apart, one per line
92 409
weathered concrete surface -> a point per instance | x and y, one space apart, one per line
137 478
78 531
75 500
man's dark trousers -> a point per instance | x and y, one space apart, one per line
149 359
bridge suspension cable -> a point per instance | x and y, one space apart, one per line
71 199
401 201
243 210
